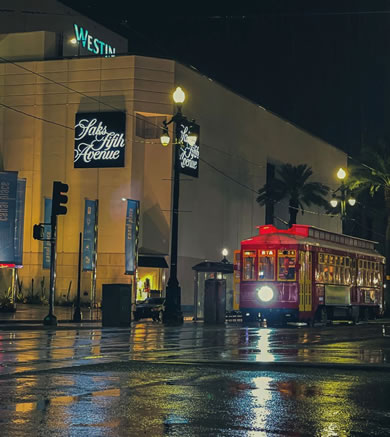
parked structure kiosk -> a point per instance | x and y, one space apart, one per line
216 280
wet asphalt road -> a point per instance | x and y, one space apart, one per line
196 381
31 350
144 399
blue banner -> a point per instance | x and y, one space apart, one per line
47 234
131 236
19 221
89 235
8 188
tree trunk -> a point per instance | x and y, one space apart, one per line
387 252
293 211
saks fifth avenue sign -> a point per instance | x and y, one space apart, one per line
188 154
99 140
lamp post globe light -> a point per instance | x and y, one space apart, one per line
172 314
344 197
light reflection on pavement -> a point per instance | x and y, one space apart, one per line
168 381
135 399
23 350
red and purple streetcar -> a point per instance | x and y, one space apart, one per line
309 274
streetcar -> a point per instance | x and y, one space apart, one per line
306 274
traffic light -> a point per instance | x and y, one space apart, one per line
59 198
38 232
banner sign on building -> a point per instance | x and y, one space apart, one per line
99 140
19 221
47 234
187 158
89 235
8 189
131 236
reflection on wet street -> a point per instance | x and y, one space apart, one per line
135 399
25 350
154 380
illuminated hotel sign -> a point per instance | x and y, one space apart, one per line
99 140
93 45
187 154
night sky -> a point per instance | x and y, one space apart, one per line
323 67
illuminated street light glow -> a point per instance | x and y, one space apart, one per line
225 252
333 202
179 96
191 139
73 41
341 173
165 139
352 201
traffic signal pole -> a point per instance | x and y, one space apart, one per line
51 319
57 208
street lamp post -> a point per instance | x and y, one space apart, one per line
172 314
343 197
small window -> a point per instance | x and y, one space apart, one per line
249 265
331 259
322 235
347 261
286 265
321 258
149 127
266 265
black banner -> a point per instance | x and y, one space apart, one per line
99 140
187 155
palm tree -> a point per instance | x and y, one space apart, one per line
291 182
374 175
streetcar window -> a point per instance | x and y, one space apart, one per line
286 265
337 260
331 274
266 265
347 261
249 265
331 259
347 275
326 260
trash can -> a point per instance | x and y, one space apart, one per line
116 305
215 301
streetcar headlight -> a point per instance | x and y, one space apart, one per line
265 293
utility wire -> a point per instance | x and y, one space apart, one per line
116 108
149 122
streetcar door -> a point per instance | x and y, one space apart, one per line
305 281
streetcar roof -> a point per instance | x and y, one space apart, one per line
305 234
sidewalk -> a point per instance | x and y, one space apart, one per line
27 314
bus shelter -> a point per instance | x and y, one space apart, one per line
211 270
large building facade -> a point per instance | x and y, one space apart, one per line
238 140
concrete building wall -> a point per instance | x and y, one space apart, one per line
218 210
238 138
42 151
